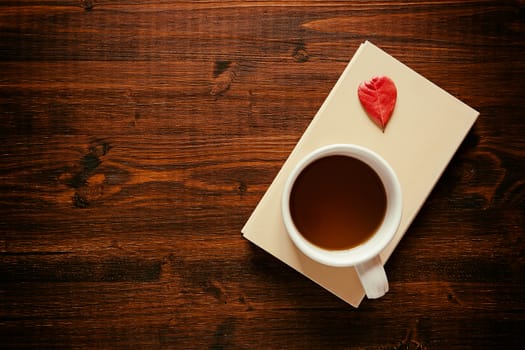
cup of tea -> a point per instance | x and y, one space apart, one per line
341 206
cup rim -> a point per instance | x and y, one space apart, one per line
386 232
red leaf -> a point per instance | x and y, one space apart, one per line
378 97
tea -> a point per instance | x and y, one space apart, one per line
338 202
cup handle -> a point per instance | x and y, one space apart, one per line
373 278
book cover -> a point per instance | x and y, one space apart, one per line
426 128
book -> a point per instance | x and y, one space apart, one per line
427 126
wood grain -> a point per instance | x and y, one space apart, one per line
138 136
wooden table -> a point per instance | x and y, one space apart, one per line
138 136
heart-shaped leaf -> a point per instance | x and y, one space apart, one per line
378 97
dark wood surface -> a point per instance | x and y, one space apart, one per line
138 136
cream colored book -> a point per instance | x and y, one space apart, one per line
425 130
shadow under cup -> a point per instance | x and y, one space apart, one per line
328 183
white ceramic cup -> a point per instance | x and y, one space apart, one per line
365 257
